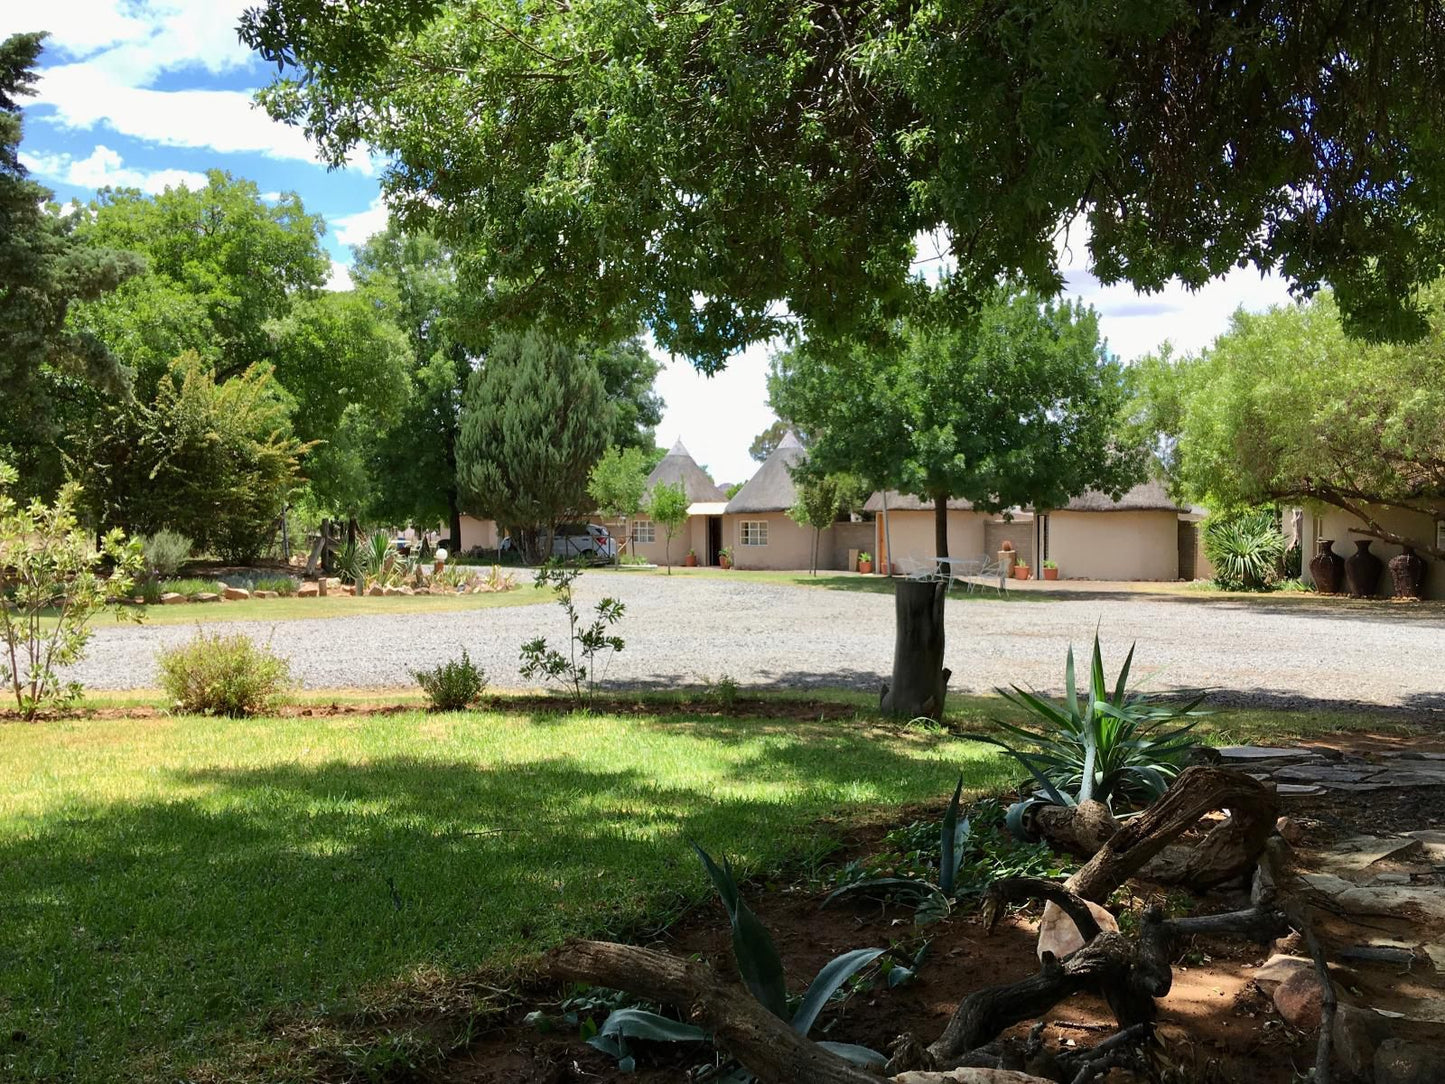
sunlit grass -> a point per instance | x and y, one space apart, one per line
172 884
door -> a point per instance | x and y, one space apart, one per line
714 538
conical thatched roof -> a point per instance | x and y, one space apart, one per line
772 488
907 502
678 466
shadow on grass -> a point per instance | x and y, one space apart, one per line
144 938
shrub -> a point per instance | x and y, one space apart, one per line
217 674
576 670
1106 746
454 685
1246 549
165 552
282 585
51 571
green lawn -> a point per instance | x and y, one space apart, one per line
174 888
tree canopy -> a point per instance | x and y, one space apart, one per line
691 165
1285 406
1022 406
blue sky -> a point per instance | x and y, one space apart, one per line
151 93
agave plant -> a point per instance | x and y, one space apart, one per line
1111 747
936 900
761 969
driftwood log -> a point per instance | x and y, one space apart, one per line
920 680
1130 974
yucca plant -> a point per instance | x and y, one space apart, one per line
1245 548
1113 747
761 969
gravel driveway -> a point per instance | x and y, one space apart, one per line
684 630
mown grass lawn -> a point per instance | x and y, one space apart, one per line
173 887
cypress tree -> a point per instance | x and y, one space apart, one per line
535 419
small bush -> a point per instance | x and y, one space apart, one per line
216 674
1246 549
282 585
453 686
165 552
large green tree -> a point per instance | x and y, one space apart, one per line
534 421
691 164
1019 406
1286 407
221 264
47 366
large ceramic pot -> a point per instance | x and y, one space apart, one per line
1327 568
1362 570
1407 569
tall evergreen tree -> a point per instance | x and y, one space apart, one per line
45 366
534 421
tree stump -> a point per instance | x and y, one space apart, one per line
920 681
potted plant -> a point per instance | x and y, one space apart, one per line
690 561
1051 570
1021 571
865 563
725 557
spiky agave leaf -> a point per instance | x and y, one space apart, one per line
757 957
829 979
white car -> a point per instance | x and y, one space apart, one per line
582 540
573 540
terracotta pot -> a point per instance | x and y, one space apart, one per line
725 562
865 567
1362 570
1021 572
1327 568
1407 570
1051 573
690 561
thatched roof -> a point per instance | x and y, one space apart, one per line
906 502
677 466
1151 496
771 489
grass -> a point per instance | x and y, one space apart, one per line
176 887
184 896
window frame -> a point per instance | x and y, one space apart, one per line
760 532
638 525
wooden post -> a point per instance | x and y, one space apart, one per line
920 681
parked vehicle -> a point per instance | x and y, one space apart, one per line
574 540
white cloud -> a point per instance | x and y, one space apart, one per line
105 168
340 277
355 229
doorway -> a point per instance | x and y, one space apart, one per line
714 538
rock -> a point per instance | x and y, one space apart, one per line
422 591
1354 856
172 598
264 594
405 590
333 583
1059 935
391 592
1323 773
1405 901
205 596
375 590
1274 971
308 590
235 593
1356 1034
1432 842
1289 828
1390 879
1252 753
1300 999
1298 790
1398 1061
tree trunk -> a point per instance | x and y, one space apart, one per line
919 679
454 515
940 524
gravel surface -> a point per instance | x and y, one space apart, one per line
684 630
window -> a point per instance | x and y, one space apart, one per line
755 532
643 530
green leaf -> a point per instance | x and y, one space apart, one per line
860 1056
651 1026
834 974
952 835
757 957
